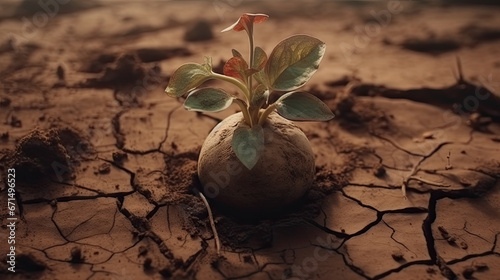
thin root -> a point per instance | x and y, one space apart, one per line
212 223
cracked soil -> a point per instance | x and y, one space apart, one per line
106 162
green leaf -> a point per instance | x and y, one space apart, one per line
302 106
248 144
261 78
186 78
236 53
293 61
259 59
208 100
260 96
236 67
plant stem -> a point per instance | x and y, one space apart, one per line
244 111
212 223
250 79
266 113
235 82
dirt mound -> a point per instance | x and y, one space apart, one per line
97 64
157 54
127 75
125 72
48 154
199 31
431 45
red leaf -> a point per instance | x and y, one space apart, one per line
236 67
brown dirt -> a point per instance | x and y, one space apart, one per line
106 163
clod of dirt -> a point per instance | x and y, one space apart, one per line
15 122
445 270
76 255
398 256
37 152
44 154
126 71
468 273
60 73
444 232
481 267
119 157
77 146
431 45
28 262
147 264
5 102
452 240
478 122
379 170
4 136
344 104
157 54
97 64
166 272
428 135
200 31
104 168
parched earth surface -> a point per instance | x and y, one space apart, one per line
407 183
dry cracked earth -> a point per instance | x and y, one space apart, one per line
407 183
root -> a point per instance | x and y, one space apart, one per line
212 223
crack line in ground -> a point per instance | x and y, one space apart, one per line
132 179
80 224
396 145
395 240
474 234
120 137
401 267
350 264
167 129
74 198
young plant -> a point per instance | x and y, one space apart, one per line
289 66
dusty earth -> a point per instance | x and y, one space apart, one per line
106 163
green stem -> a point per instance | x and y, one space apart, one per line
244 110
266 113
235 82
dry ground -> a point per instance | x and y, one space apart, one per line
106 162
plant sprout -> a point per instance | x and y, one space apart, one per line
289 66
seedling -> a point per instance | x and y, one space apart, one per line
256 160
289 66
